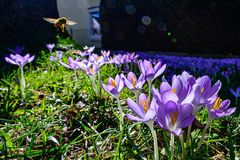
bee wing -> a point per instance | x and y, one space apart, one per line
71 23
50 20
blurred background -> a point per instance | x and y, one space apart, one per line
208 28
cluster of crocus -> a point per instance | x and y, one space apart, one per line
19 60
175 106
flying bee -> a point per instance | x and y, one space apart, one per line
60 22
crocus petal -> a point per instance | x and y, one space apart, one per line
160 71
161 120
230 111
224 104
156 94
177 131
169 96
128 84
171 107
214 90
133 118
31 59
186 121
165 86
10 61
135 108
150 115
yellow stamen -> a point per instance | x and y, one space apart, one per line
173 117
134 80
113 83
202 89
98 57
217 104
144 103
174 90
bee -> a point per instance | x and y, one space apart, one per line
60 22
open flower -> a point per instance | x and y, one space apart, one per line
205 93
150 72
171 115
19 60
89 68
50 47
57 57
182 86
220 109
114 86
132 82
144 110
98 60
72 64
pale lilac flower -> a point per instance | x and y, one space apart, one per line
132 82
98 60
205 93
89 68
19 60
149 71
88 50
114 86
182 86
50 47
72 64
144 110
58 56
173 116
219 108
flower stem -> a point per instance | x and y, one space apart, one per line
172 146
121 114
149 89
203 134
76 78
189 136
136 95
23 83
154 135
94 85
182 145
99 82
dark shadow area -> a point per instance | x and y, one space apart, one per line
197 27
22 24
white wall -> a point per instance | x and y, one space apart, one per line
77 10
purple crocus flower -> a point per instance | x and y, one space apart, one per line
58 56
114 86
89 68
150 72
19 60
205 93
132 82
50 47
219 108
98 60
105 53
182 86
236 93
72 64
144 110
173 116
88 50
